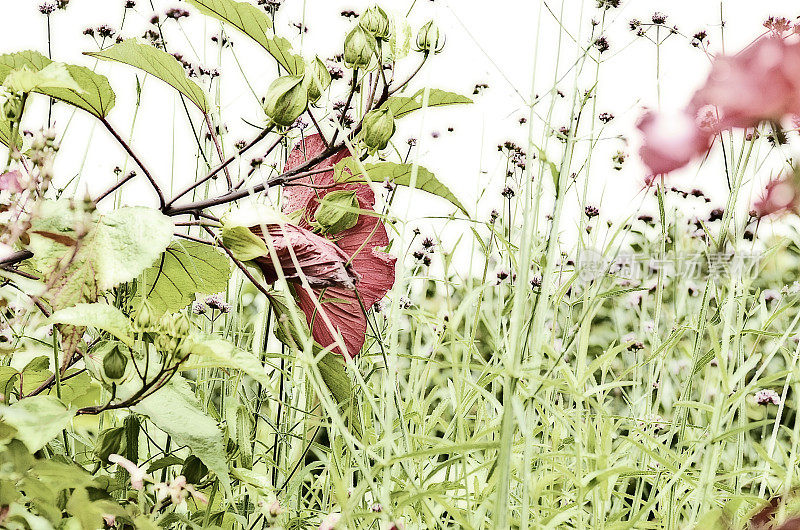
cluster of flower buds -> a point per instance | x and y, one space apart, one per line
168 332
42 153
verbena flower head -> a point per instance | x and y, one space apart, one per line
767 397
363 245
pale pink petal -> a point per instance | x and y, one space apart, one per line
671 140
137 474
11 181
780 196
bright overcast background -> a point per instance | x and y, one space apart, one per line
487 42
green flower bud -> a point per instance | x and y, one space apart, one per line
376 21
109 442
181 324
429 39
193 469
335 212
144 316
318 78
12 107
359 47
287 99
378 128
114 363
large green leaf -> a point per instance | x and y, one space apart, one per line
118 247
255 24
401 174
175 410
96 96
212 352
5 132
100 316
402 105
38 419
157 63
184 269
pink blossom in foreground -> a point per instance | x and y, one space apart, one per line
11 181
671 141
760 83
137 474
321 262
363 244
330 521
780 196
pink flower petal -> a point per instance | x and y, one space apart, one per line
321 262
11 181
671 140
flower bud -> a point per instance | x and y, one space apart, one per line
359 47
109 442
181 324
376 21
336 211
12 107
287 99
144 316
318 78
193 470
114 363
378 128
429 39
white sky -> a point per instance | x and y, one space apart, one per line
487 42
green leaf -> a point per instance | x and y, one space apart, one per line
157 63
38 419
291 327
255 24
5 132
402 105
333 370
243 243
211 352
401 174
183 270
175 410
119 246
100 316
96 96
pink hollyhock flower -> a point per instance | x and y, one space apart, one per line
137 474
321 262
780 195
362 243
672 140
760 83
11 181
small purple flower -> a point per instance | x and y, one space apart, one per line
767 397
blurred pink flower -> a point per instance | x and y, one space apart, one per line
760 83
330 521
671 140
363 244
780 196
11 181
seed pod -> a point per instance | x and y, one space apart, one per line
287 99
114 363
335 212
318 78
109 442
376 21
359 47
429 39
378 128
193 469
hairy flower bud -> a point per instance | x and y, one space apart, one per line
336 211
287 99
114 363
318 78
378 128
359 47
429 39
376 21
181 324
